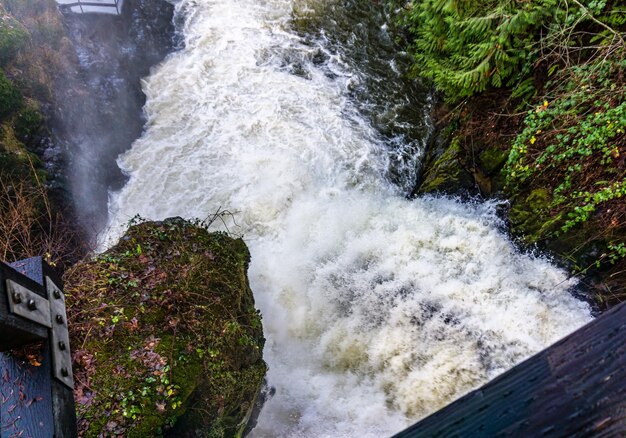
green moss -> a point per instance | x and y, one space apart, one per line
10 97
176 340
447 174
528 216
492 160
17 164
29 121
9 141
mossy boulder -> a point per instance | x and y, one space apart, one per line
528 215
166 336
534 222
447 173
492 160
459 168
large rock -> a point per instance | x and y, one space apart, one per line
166 337
446 173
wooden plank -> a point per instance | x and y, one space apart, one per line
25 390
25 398
577 387
63 405
32 402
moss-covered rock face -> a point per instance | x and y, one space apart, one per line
447 174
166 336
528 215
492 160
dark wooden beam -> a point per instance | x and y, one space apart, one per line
34 401
25 388
576 387
63 405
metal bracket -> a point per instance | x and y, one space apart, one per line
48 313
60 339
28 304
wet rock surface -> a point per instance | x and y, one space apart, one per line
98 99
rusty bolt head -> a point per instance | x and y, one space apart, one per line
62 346
56 294
32 305
59 319
65 372
17 297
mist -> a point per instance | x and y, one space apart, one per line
99 98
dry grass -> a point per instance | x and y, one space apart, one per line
31 226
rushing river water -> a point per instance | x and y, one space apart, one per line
377 309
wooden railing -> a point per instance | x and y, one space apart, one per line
575 388
36 382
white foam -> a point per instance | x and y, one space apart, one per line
378 310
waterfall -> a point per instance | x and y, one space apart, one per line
377 309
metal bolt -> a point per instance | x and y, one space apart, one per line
17 297
60 319
32 305
62 346
65 372
56 294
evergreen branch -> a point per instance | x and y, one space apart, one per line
598 22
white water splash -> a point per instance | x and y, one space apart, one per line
378 310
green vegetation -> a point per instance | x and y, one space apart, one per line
10 97
535 95
28 122
558 138
573 145
167 338
13 36
467 46
33 217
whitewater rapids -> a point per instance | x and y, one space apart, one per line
378 310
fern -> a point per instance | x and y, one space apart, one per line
467 46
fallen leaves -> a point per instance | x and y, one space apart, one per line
32 354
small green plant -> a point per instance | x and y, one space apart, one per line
575 144
135 220
28 122
591 201
618 251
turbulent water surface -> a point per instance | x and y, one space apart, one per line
377 309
